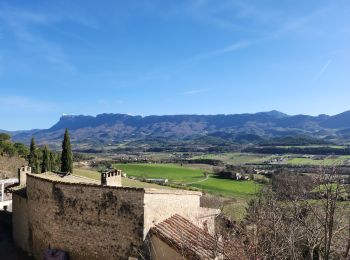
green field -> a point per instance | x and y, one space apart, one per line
241 191
292 159
87 173
312 146
236 158
225 187
178 174
329 161
125 182
173 172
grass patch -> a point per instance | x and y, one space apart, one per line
242 191
236 158
178 174
87 173
227 187
328 161
174 173
125 181
139 184
236 211
247 158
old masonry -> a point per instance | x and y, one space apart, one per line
88 219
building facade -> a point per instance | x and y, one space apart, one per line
93 221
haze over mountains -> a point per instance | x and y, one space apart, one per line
107 129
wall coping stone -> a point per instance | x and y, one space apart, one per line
172 191
81 184
47 177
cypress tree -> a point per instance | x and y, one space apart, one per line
67 155
52 162
33 157
45 166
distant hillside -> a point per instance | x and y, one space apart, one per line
90 132
338 121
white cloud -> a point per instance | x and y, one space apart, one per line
20 24
195 91
322 71
231 48
23 24
228 14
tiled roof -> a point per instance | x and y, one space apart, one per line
187 239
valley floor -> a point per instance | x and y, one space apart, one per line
230 195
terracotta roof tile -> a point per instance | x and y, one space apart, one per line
187 239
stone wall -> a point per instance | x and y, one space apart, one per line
20 223
88 221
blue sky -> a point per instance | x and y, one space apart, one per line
171 57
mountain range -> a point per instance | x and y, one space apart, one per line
115 129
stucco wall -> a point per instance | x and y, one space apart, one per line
162 204
88 221
161 251
206 219
20 224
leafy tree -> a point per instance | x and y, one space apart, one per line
22 149
4 137
55 161
67 155
33 157
52 161
9 149
12 149
45 166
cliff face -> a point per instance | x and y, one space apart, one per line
111 128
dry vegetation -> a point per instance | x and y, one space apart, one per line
9 166
284 223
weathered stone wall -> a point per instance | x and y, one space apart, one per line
91 221
162 204
20 223
86 220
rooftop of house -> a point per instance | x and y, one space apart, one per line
187 239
